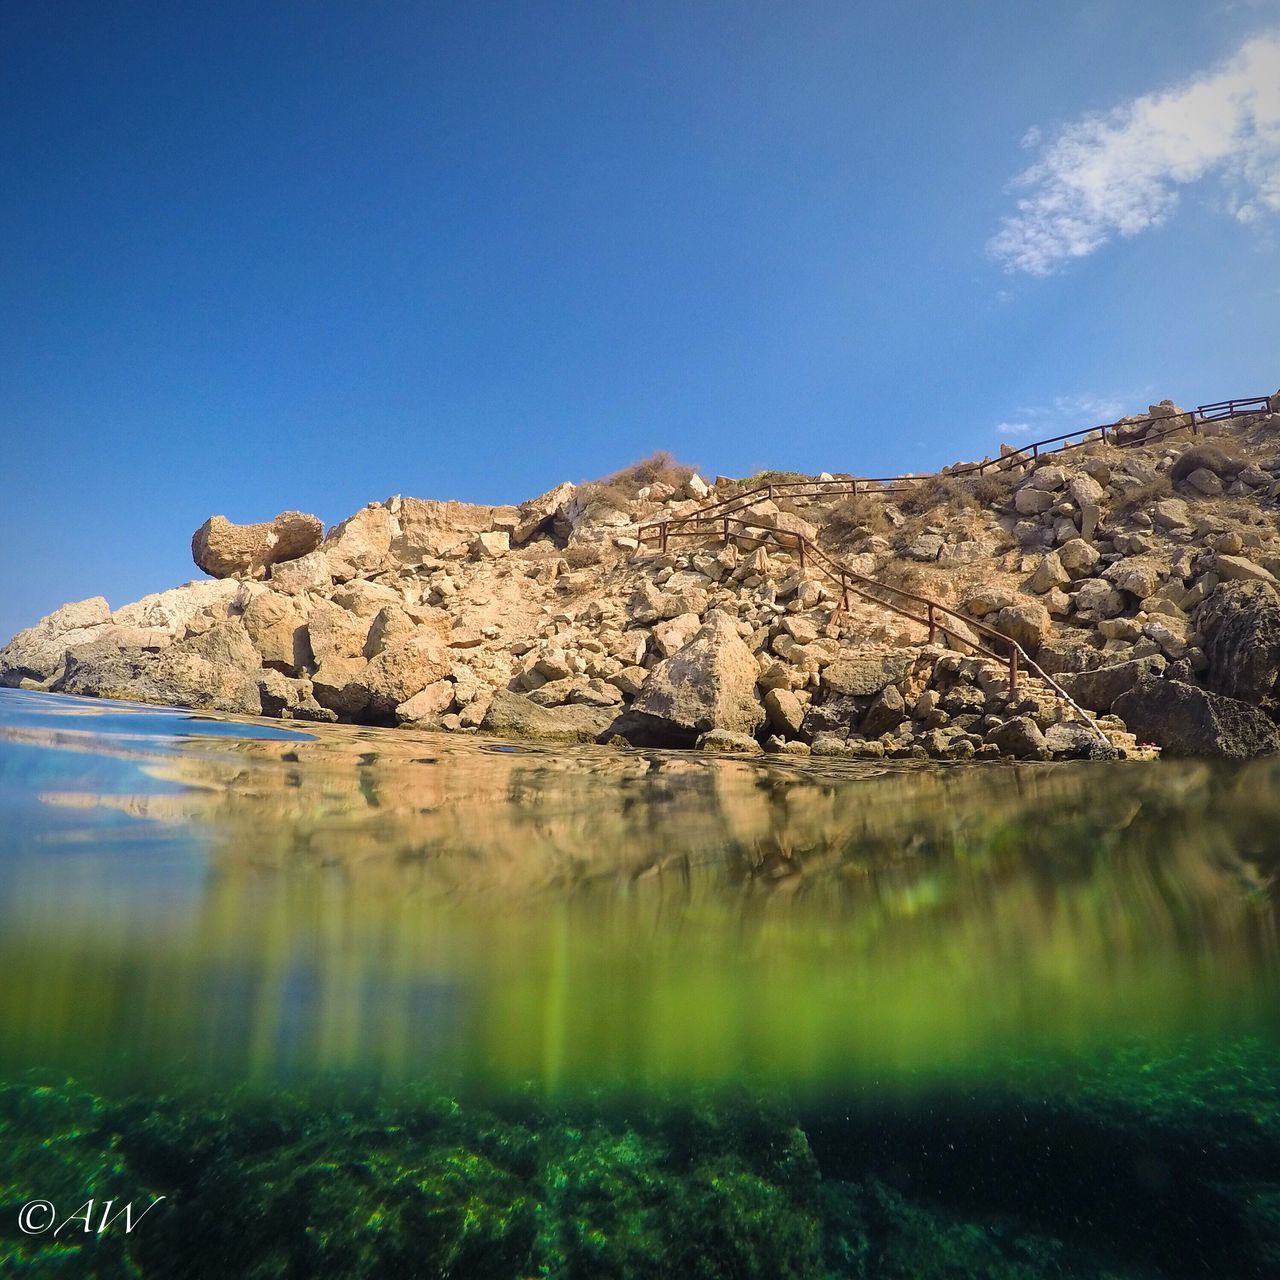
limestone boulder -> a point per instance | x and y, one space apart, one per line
1078 558
785 712
1098 689
361 544
544 514
290 697
1075 740
335 632
709 683
1020 737
427 705
334 685
306 573
1240 569
182 607
1139 578
511 715
1049 573
431 529
491 544
727 742
277 629
1084 489
1184 720
1028 624
672 635
36 654
1031 500
862 673
1097 598
400 671
227 550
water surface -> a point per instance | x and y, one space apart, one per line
841 1019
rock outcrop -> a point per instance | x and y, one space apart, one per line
559 618
1240 624
1183 720
226 550
216 670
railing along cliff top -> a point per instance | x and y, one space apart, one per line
1124 434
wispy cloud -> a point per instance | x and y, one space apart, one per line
1119 173
1067 413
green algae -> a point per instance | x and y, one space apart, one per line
1144 1163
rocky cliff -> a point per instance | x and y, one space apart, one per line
1141 572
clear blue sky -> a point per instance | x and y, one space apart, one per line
266 256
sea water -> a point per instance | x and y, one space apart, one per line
285 1000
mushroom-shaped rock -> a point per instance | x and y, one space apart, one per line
226 550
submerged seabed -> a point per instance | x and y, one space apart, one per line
362 1002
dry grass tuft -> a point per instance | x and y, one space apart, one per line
616 491
855 517
954 495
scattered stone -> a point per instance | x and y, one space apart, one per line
726 742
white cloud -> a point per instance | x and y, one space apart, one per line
1119 173
1068 413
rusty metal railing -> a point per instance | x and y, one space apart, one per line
1014 657
1124 434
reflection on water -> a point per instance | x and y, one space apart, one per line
182 894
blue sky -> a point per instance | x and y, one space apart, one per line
257 257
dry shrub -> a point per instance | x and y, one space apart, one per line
992 488
1222 459
956 494
1143 495
772 477
906 574
858 514
621 488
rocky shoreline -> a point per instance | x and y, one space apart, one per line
1144 579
